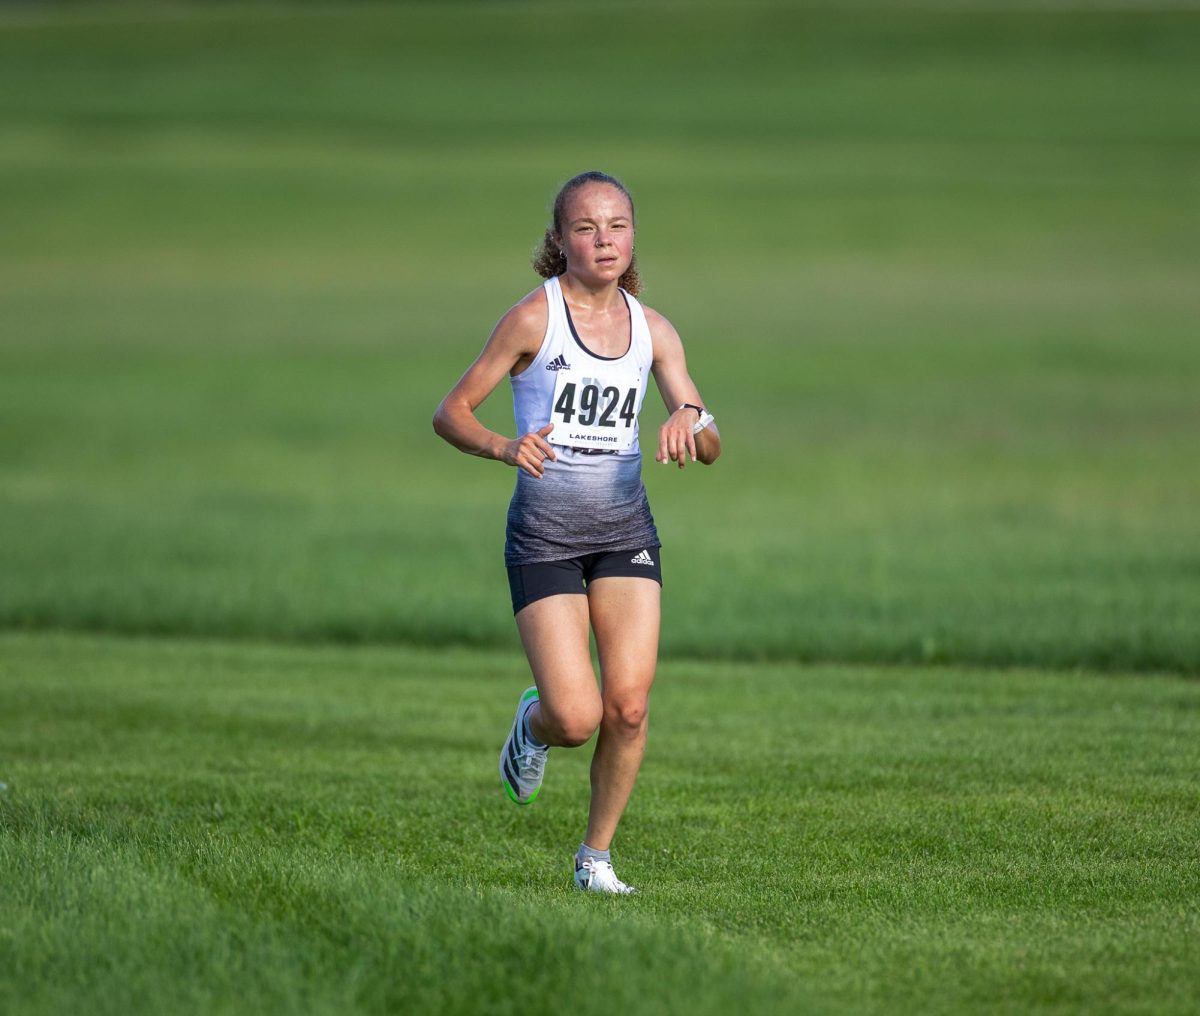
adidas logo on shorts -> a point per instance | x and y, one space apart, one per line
642 558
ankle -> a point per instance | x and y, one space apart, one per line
585 853
531 734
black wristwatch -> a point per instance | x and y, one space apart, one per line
699 409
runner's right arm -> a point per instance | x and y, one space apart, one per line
514 342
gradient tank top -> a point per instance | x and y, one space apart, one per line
591 500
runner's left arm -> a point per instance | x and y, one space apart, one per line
676 442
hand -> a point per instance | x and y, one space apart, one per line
675 438
530 451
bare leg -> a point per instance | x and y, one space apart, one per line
554 631
625 618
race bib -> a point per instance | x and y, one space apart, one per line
597 411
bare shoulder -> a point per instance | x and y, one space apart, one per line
662 333
526 320
531 310
523 325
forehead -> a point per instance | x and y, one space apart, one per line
597 201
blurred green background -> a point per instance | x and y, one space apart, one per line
936 271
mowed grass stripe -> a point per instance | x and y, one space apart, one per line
211 925
858 838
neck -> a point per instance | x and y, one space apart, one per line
593 297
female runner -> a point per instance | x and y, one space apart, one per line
581 546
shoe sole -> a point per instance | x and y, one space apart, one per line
532 693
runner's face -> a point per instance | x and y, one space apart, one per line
597 234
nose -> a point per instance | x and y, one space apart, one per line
602 238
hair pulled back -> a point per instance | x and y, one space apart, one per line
548 261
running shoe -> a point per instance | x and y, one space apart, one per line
598 877
522 763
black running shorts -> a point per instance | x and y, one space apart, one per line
530 582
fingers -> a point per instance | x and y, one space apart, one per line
666 447
530 460
532 452
541 445
676 443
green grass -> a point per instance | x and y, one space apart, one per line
936 274
222 827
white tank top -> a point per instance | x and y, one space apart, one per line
591 498
593 401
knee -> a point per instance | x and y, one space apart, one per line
627 716
571 728
575 734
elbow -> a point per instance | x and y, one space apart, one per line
439 420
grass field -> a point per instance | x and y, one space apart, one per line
224 827
936 270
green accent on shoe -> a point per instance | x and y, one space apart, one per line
532 693
515 799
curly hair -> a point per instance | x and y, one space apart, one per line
548 259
